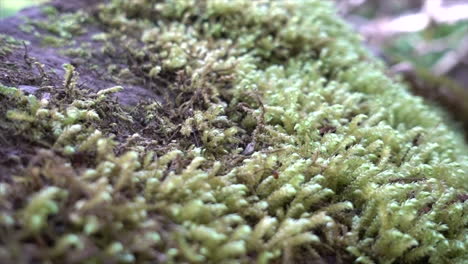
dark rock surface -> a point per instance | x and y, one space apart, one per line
17 70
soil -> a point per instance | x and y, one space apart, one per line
18 68
53 59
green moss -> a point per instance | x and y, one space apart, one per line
54 41
8 44
60 29
63 25
279 138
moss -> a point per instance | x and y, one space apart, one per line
8 44
278 139
64 25
54 41
58 30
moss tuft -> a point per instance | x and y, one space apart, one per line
277 138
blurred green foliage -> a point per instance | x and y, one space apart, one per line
425 48
10 7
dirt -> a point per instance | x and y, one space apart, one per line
18 68
53 59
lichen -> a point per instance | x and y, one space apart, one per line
279 139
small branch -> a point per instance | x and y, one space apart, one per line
451 59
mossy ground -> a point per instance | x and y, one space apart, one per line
220 132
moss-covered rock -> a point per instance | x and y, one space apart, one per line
271 136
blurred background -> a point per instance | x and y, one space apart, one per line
424 42
10 7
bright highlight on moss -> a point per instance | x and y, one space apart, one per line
279 139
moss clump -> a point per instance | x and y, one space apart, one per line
276 138
8 44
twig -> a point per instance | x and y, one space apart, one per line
451 59
26 57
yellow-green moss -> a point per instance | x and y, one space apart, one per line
280 139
